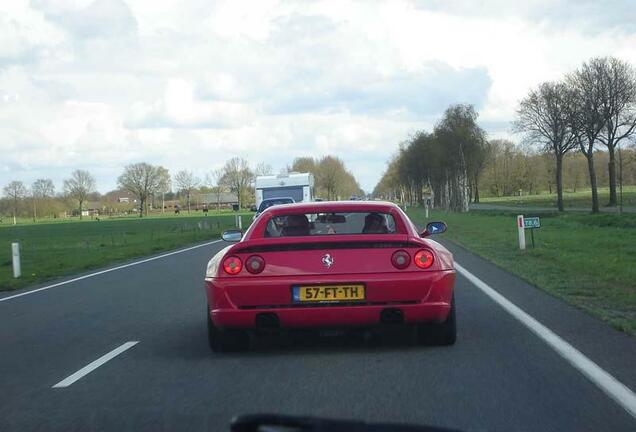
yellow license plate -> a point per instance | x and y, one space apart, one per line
328 293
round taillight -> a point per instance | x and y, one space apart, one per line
424 259
401 259
255 264
232 265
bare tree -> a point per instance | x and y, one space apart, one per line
619 110
213 179
186 181
15 191
142 180
41 189
543 116
263 169
237 176
79 186
587 118
165 185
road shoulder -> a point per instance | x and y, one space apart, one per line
611 349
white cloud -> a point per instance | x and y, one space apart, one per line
98 84
180 109
90 19
243 18
24 32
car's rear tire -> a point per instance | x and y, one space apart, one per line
440 334
226 340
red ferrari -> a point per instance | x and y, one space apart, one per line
330 264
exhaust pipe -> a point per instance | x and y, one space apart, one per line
391 316
267 320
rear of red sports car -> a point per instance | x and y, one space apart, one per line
321 265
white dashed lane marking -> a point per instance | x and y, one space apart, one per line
94 365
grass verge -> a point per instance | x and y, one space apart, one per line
60 249
586 260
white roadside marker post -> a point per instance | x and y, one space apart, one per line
238 221
426 211
15 252
522 233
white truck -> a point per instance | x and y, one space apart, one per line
298 186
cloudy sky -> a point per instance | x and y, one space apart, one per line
98 84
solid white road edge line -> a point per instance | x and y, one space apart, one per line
108 270
616 390
94 365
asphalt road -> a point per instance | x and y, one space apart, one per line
499 376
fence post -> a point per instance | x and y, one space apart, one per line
15 252
522 233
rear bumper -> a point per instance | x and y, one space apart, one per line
330 316
421 297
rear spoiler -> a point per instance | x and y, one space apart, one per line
285 247
325 242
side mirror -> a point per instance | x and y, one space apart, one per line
232 235
434 228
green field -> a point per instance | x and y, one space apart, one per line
65 247
587 260
579 199
7 220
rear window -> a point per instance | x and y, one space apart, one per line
268 203
314 224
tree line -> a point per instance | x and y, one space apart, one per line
588 114
144 181
447 163
593 107
151 184
513 169
333 181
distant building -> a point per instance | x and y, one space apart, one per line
119 197
225 199
89 208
